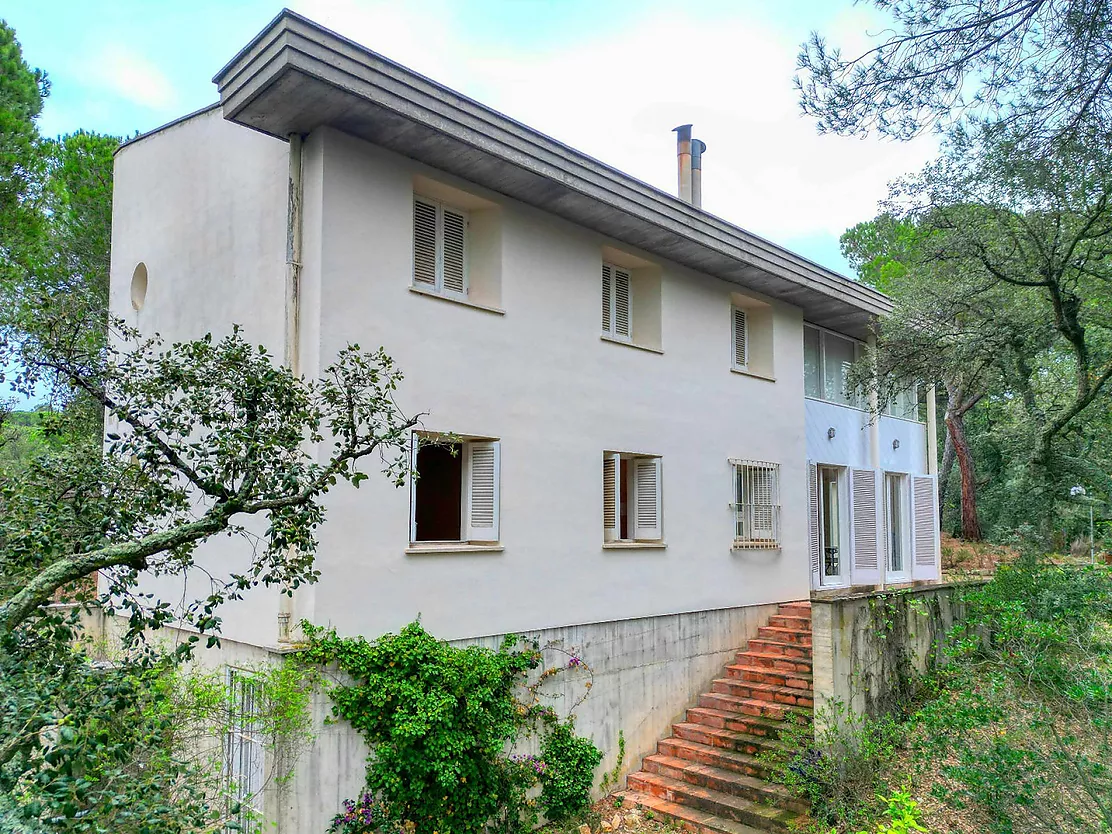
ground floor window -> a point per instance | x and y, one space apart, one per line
631 498
756 504
896 521
454 495
243 751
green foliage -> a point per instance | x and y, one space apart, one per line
439 720
840 765
128 743
902 812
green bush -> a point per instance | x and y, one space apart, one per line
440 720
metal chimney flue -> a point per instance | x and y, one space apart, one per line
689 159
697 148
683 159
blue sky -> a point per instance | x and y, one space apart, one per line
610 77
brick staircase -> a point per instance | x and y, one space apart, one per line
707 776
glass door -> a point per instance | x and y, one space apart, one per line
830 527
896 526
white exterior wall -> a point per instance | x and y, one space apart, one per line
202 203
850 444
541 380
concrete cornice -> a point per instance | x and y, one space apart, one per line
296 76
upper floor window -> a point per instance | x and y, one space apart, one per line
752 325
756 504
617 303
904 403
740 331
827 360
454 490
439 247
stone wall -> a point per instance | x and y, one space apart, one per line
870 647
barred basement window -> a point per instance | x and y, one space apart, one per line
243 751
756 504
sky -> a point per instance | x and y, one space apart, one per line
609 77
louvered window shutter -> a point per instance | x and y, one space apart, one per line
814 523
611 497
454 258
741 339
414 442
646 498
926 546
763 499
865 502
482 491
424 243
607 299
623 305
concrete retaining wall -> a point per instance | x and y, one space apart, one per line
869 647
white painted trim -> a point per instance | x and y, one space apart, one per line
617 340
455 299
451 547
634 545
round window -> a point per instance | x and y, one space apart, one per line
139 286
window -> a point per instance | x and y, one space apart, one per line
756 504
439 247
830 523
631 498
896 521
827 360
740 330
243 749
617 303
904 404
454 490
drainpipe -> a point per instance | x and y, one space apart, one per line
697 148
932 432
292 352
683 159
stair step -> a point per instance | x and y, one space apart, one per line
723 781
749 706
790 621
746 764
691 820
763 692
800 681
774 661
725 739
764 646
786 635
735 808
735 722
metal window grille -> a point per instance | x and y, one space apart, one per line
756 504
243 752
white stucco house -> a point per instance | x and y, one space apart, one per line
656 443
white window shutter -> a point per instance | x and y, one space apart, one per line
424 243
741 339
414 443
611 497
865 503
454 258
762 498
623 304
814 523
607 299
646 497
926 545
482 490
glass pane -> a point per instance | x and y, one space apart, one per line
895 523
812 360
832 566
839 358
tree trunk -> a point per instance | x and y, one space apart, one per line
944 472
970 524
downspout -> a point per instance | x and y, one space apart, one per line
292 352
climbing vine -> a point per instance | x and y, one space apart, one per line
441 722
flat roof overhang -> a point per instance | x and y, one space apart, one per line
296 76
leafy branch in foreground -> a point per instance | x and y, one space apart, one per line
200 436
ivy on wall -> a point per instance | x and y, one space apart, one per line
441 721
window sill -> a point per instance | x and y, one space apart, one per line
754 374
624 343
461 301
452 547
756 545
634 545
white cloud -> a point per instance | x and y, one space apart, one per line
616 94
132 77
